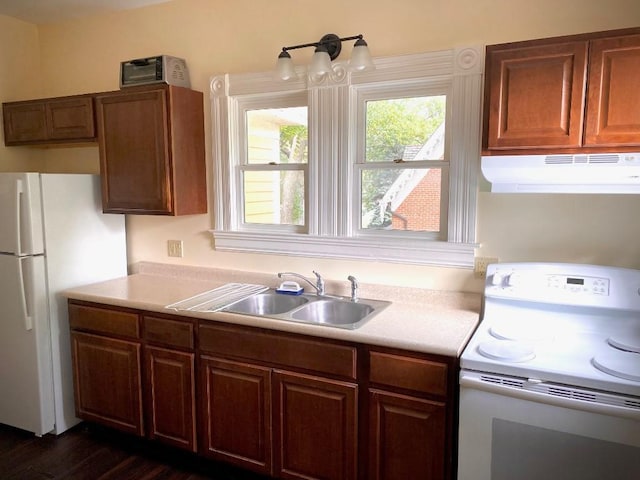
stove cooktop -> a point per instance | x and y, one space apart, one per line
570 324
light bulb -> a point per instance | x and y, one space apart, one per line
284 66
360 57
320 62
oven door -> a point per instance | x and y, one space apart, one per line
507 433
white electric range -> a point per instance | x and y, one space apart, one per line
552 375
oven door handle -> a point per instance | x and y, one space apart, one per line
472 380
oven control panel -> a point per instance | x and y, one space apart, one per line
569 284
565 284
588 285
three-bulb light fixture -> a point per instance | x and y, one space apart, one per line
327 49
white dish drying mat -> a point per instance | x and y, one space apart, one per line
218 298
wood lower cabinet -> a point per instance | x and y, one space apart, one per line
406 437
107 365
410 417
108 381
573 94
151 145
135 372
236 413
49 121
315 427
170 383
279 422
283 405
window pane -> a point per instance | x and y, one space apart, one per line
274 197
277 135
401 199
405 128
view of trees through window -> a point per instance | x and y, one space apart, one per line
399 132
396 192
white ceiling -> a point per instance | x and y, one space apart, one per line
51 11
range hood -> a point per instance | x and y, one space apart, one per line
582 173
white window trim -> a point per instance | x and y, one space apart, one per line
332 236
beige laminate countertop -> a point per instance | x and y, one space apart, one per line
418 320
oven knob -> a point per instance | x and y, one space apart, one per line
498 278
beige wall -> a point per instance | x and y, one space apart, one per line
20 79
217 36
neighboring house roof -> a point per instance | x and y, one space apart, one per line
432 149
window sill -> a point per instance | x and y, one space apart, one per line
416 252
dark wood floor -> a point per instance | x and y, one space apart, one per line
88 452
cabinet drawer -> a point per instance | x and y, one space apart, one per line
173 333
102 320
279 349
408 373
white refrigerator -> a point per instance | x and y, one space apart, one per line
53 236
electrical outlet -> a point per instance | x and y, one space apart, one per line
480 266
174 248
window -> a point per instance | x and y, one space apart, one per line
402 166
372 165
273 170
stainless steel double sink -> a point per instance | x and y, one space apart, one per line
313 309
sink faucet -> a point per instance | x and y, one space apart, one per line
319 285
354 288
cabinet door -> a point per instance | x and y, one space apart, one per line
134 152
107 381
171 397
236 413
407 437
534 96
54 120
613 108
70 118
315 425
24 123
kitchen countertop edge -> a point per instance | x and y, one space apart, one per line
419 320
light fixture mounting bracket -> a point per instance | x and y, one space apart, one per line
332 43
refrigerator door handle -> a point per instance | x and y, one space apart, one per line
17 219
28 319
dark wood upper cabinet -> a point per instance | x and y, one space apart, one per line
49 121
151 143
613 105
536 95
150 138
576 94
